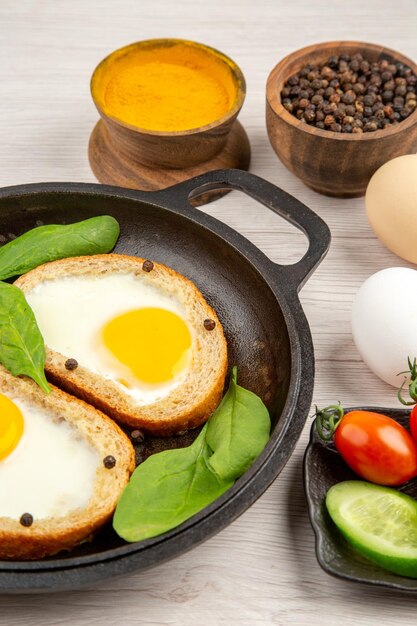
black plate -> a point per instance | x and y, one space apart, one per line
257 303
323 468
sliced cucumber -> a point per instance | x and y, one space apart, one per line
379 522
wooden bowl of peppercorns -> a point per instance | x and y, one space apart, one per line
337 111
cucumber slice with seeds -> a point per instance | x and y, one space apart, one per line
379 522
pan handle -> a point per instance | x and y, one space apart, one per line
276 200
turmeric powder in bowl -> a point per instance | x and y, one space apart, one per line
166 85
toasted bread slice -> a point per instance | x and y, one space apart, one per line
51 534
187 405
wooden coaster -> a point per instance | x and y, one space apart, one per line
113 168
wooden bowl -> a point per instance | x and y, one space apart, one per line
128 155
335 164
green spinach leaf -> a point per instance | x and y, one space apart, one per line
237 432
165 490
22 349
96 235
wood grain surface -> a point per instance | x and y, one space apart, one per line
262 569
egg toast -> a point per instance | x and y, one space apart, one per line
132 337
63 472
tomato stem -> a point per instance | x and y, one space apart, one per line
412 383
327 420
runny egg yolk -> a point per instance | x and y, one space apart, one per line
11 426
153 343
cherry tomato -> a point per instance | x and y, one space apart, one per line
377 447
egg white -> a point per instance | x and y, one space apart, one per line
71 312
51 471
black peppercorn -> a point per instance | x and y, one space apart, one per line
71 364
348 98
147 266
352 93
137 436
330 108
369 100
209 324
386 76
109 461
309 116
398 103
358 88
387 96
370 126
26 519
316 99
405 112
293 80
316 83
401 90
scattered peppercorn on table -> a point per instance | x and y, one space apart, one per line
262 568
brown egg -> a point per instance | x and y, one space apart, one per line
391 205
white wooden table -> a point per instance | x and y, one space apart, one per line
261 569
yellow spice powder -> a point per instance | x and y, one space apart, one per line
156 94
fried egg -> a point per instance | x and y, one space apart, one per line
46 468
116 325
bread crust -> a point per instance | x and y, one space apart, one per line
187 406
51 535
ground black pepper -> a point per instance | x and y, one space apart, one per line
26 519
350 94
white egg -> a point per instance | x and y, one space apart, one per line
384 322
50 472
72 311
